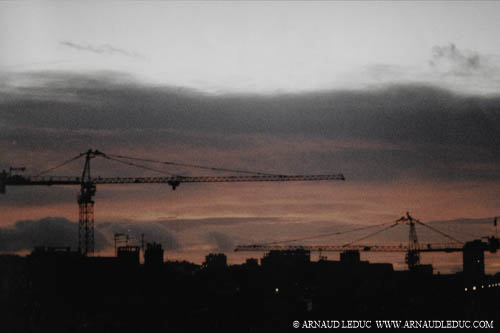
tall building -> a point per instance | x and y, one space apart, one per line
473 261
350 257
153 255
286 258
215 261
128 254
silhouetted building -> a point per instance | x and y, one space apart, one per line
288 258
153 255
215 261
53 290
128 254
252 262
422 269
350 257
50 250
473 260
58 255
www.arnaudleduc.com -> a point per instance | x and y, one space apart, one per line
398 324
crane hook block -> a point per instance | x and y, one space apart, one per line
174 184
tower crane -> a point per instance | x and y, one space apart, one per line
412 250
88 185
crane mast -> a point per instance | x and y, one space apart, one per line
87 183
86 242
413 252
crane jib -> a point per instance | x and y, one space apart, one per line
173 181
340 248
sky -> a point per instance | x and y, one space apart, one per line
401 97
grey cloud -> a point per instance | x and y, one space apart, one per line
451 59
59 231
219 232
450 67
103 49
466 229
37 196
460 229
223 242
418 129
178 225
49 231
153 232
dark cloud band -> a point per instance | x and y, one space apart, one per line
416 130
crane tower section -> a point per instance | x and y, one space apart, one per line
86 242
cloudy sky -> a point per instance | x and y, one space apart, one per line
402 98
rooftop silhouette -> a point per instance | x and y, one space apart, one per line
59 290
